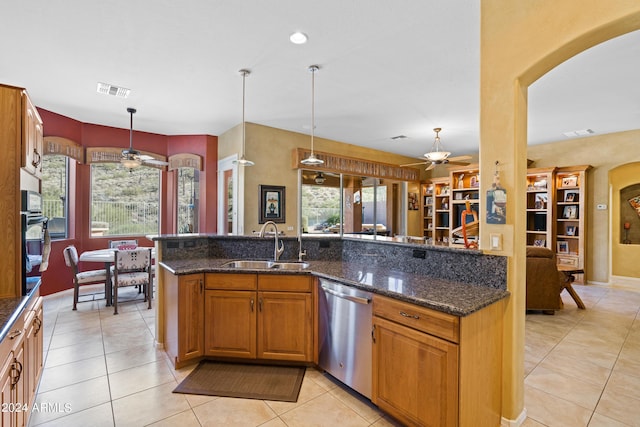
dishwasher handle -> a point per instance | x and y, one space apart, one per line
357 300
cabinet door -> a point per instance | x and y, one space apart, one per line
230 323
32 138
190 317
415 375
6 390
285 326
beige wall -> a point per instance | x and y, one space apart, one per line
521 41
624 258
271 149
603 153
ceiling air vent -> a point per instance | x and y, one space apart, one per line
107 89
395 138
576 133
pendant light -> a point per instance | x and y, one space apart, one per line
437 153
242 161
130 158
312 160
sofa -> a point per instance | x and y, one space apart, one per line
544 281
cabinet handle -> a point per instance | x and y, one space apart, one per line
260 304
37 158
252 303
373 334
410 316
15 334
201 286
38 322
17 366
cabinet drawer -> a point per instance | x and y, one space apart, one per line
569 261
231 281
282 282
443 325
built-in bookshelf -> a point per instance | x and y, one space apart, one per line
465 191
540 207
435 202
571 215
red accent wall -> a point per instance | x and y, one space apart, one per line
58 277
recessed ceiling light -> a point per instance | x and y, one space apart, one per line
298 38
108 89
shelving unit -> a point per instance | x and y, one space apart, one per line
540 207
570 214
465 187
435 202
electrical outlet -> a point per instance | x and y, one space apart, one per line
290 228
419 253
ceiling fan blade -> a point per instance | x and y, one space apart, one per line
458 163
414 164
458 158
153 161
431 166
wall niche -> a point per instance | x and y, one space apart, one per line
630 214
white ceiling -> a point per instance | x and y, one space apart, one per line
387 69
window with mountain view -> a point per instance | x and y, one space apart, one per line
54 193
124 202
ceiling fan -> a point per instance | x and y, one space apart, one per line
437 155
132 158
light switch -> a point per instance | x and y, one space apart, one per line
496 241
601 207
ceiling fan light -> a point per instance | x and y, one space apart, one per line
437 156
130 161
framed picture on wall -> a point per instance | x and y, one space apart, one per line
271 202
571 230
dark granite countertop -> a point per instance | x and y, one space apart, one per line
451 297
10 309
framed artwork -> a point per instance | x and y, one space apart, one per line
540 242
571 230
571 196
541 201
635 203
563 247
570 181
570 212
413 201
271 202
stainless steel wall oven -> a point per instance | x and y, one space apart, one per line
36 244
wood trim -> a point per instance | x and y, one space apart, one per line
63 146
185 160
354 166
114 154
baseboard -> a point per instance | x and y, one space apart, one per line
622 282
515 423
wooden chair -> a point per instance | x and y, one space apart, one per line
132 268
82 277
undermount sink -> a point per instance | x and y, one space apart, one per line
251 264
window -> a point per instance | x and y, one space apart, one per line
188 200
54 193
320 203
124 202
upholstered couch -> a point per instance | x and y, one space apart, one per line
544 281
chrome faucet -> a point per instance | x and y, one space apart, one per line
278 249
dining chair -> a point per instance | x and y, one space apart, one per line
132 268
82 277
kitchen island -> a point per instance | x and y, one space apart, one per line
437 316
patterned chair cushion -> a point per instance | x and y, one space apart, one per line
91 276
132 279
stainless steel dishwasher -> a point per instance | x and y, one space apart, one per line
345 334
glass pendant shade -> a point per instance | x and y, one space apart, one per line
437 154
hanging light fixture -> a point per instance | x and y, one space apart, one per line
130 158
312 160
319 179
243 161
437 153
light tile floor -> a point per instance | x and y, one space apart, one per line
582 368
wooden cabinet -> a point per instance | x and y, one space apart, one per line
540 207
435 369
259 316
184 316
571 215
21 364
32 138
435 209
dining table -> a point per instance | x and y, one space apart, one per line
107 257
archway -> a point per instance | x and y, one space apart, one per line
519 43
